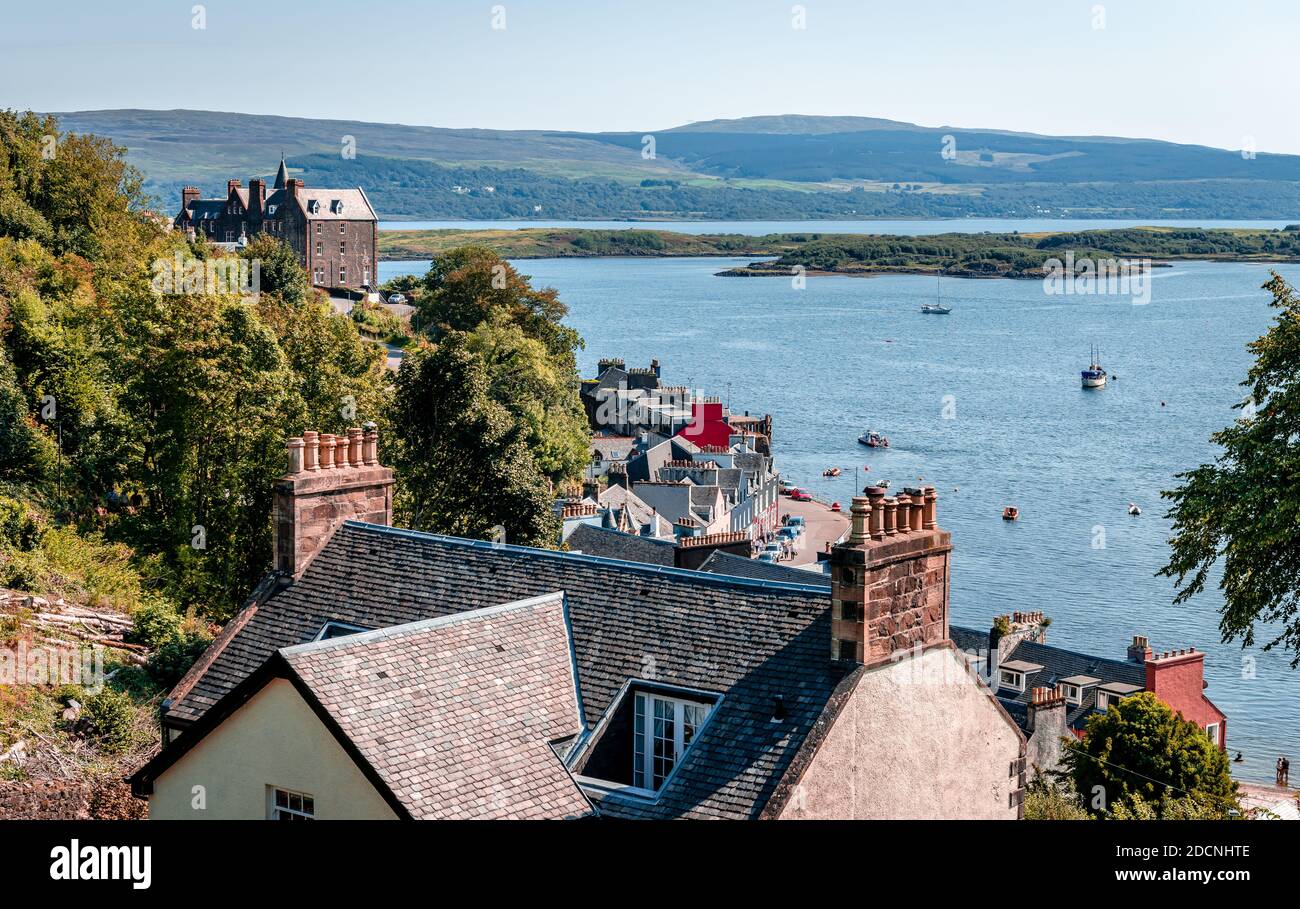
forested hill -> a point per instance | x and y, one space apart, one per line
781 167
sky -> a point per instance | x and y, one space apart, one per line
1209 73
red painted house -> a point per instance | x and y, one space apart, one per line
708 427
1177 677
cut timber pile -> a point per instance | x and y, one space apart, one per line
54 622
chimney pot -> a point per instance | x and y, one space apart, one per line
861 517
370 447
326 451
295 446
354 446
311 454
340 451
891 516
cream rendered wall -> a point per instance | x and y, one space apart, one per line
919 738
273 740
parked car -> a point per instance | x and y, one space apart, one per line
397 298
766 556
794 520
801 495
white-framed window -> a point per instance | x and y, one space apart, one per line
287 805
318 228
343 247
343 274
1073 693
1212 730
320 248
1009 678
663 729
343 227
1103 700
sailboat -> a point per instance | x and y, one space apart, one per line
936 308
1094 376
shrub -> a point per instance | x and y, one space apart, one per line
109 718
169 663
156 623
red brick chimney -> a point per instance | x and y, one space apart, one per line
189 194
331 479
889 580
231 186
292 185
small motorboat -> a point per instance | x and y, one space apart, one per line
1010 513
831 472
935 309
1133 509
1094 376
873 440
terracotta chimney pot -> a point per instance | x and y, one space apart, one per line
931 498
891 516
311 454
340 451
876 498
354 446
326 451
370 446
903 517
861 517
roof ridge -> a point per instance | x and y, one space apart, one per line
363 638
684 574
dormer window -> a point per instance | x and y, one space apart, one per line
332 629
337 206
313 206
643 739
1009 678
270 209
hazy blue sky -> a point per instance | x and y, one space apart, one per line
1193 71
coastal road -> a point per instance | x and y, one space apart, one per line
824 526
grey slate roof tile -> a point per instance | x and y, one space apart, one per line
748 640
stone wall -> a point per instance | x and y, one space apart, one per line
69 800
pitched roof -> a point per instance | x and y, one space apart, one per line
727 563
1057 664
750 640
615 544
335 204
456 714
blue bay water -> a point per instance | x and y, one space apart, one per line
846 354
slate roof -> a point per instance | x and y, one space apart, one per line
356 207
750 641
614 544
1058 663
456 714
727 563
620 498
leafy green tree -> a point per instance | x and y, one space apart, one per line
1140 751
1048 800
462 465
1244 509
279 271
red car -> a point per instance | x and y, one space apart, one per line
801 495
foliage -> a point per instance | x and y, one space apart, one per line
154 624
1048 800
109 717
463 464
1140 749
174 656
1244 509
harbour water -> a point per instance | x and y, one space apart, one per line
986 405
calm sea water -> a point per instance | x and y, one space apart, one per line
758 228
986 405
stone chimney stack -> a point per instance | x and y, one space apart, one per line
231 186
189 194
890 578
256 196
292 185
1140 650
1042 701
331 479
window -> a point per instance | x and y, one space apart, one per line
343 274
343 227
319 247
332 630
1103 700
1073 693
318 228
291 806
343 247
664 728
1212 730
1009 678
848 610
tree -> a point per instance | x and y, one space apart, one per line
1140 752
1244 509
461 462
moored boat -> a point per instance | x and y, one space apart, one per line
1010 513
1094 376
873 439
935 309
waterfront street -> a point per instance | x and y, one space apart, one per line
824 526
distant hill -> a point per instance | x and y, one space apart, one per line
785 166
